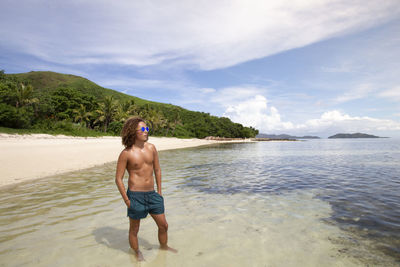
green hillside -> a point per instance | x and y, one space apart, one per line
45 82
52 102
354 135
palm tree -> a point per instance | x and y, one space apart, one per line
24 95
143 111
156 119
176 117
81 115
125 109
35 104
169 125
106 111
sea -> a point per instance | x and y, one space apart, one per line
324 202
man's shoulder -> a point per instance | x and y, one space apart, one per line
150 145
124 153
126 150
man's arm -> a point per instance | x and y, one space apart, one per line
119 175
157 169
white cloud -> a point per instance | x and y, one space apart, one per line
393 94
216 100
207 90
139 83
361 91
202 34
229 96
343 68
255 112
340 122
247 105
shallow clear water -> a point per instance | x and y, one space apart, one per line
312 203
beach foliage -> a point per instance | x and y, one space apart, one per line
49 102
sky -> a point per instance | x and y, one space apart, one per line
294 67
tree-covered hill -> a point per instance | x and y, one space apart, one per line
45 82
354 135
51 102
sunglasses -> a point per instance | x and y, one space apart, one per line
144 129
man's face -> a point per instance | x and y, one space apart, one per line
140 134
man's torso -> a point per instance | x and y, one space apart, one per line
140 168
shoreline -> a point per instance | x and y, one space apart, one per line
34 156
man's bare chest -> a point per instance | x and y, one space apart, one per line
140 159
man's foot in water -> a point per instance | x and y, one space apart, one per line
166 247
139 255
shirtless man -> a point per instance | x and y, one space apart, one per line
140 159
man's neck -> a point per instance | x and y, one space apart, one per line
139 144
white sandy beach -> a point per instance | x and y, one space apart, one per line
25 157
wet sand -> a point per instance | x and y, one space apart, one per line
26 157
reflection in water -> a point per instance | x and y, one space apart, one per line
316 203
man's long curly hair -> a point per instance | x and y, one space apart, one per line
128 132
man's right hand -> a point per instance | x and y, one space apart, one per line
128 203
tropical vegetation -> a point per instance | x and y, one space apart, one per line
49 102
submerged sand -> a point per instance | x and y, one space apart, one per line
25 157
79 219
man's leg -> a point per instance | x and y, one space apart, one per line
162 231
162 228
133 240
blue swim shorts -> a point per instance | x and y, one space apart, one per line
143 203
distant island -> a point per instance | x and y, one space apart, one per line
354 135
285 136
